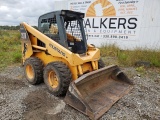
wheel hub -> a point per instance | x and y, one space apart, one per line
53 80
29 71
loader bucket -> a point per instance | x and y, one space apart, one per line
94 93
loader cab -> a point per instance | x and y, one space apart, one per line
66 28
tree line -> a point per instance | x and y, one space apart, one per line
6 27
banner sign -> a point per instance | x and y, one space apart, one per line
110 19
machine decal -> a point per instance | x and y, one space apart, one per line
57 49
23 35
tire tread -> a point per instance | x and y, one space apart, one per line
38 69
64 74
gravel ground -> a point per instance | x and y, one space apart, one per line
19 100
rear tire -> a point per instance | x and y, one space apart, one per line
57 77
33 69
101 64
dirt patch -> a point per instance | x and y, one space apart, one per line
13 84
40 106
20 100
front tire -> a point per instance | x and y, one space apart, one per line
101 64
33 69
57 77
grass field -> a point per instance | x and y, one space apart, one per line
10 52
10 48
130 57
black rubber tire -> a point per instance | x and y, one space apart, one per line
64 78
37 67
101 64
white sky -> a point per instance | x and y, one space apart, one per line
13 12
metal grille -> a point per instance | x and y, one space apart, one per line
52 20
74 29
49 20
52 30
44 21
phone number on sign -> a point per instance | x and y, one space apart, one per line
116 36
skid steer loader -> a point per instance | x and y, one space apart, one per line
58 53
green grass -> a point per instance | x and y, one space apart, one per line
128 57
10 48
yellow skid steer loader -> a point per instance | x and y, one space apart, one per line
58 53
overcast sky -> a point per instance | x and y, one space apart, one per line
12 12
